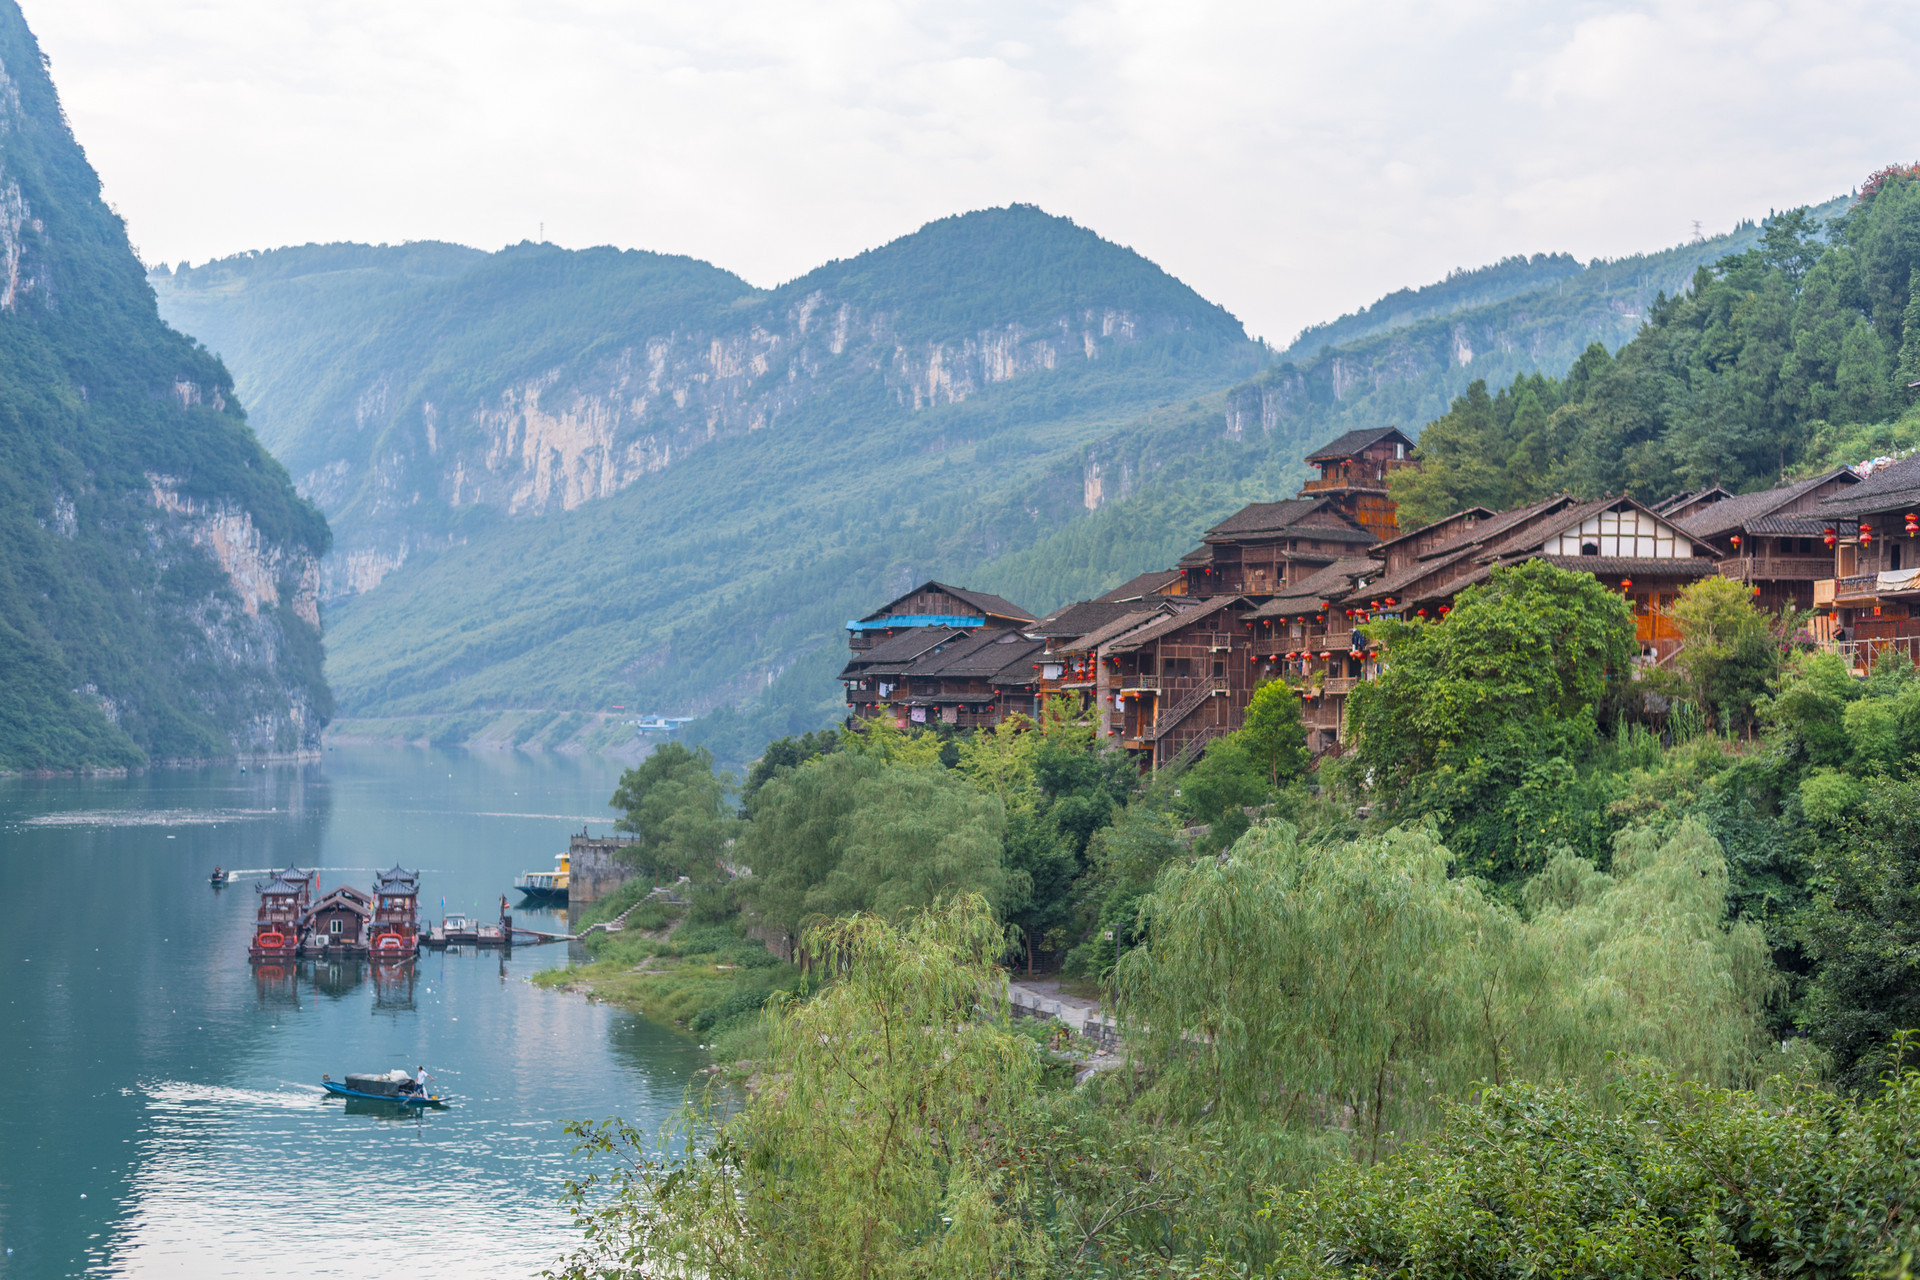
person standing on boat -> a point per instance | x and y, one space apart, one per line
420 1081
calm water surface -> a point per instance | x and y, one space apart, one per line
161 1114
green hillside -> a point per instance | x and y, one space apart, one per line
156 568
568 487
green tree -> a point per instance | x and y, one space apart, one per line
849 832
1731 655
1275 736
1863 931
679 811
888 1148
1468 712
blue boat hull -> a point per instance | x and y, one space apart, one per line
398 1100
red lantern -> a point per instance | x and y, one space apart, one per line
1913 524
1736 542
1349 613
1626 584
1866 535
1445 609
1420 613
1830 537
1391 600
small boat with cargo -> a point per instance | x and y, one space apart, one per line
396 1087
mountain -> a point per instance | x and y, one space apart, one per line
570 487
580 481
158 575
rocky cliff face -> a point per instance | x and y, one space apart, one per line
159 578
568 436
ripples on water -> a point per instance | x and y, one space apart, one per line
164 1116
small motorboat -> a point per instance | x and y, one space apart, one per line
218 878
395 1086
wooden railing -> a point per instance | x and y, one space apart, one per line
1856 586
1792 568
1182 709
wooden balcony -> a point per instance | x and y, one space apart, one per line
1337 686
1859 586
1777 568
1139 684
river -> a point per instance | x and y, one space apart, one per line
161 1113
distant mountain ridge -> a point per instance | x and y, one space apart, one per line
539 379
158 575
567 483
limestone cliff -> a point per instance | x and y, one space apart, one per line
159 578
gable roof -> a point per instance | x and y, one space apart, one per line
897 653
978 656
1355 441
1176 621
1082 617
1697 498
1331 583
1895 485
1737 512
990 605
352 899
1301 517
1140 586
1174 605
1379 549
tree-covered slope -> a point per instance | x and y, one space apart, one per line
157 573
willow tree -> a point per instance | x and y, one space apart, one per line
1307 993
877 1144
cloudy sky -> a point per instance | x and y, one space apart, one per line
1290 160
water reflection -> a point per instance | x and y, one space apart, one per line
165 1116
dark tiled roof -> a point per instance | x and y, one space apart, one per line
977 657
896 653
1336 577
1480 514
1801 526
1296 517
1174 606
1354 441
1023 669
1078 619
398 880
1173 622
1197 558
1147 584
991 605
1669 567
1734 513
1678 500
1894 486
1394 584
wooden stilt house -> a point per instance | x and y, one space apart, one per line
282 914
339 924
395 931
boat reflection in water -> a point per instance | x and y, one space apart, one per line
336 978
277 983
393 987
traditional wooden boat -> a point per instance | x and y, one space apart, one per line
394 1087
282 915
395 932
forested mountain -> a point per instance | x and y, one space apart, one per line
1791 357
569 482
158 575
624 478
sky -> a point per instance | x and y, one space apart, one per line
1291 161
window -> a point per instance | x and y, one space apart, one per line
1806 546
1219 668
333 926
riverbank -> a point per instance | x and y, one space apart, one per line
703 979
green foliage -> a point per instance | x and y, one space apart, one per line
1863 929
782 756
1274 735
850 831
679 810
882 1151
1484 717
1732 652
105 608
1294 985
1658 1176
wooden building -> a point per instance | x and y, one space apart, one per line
338 923
1872 601
1266 548
1773 540
1311 641
395 931
935 604
1353 476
